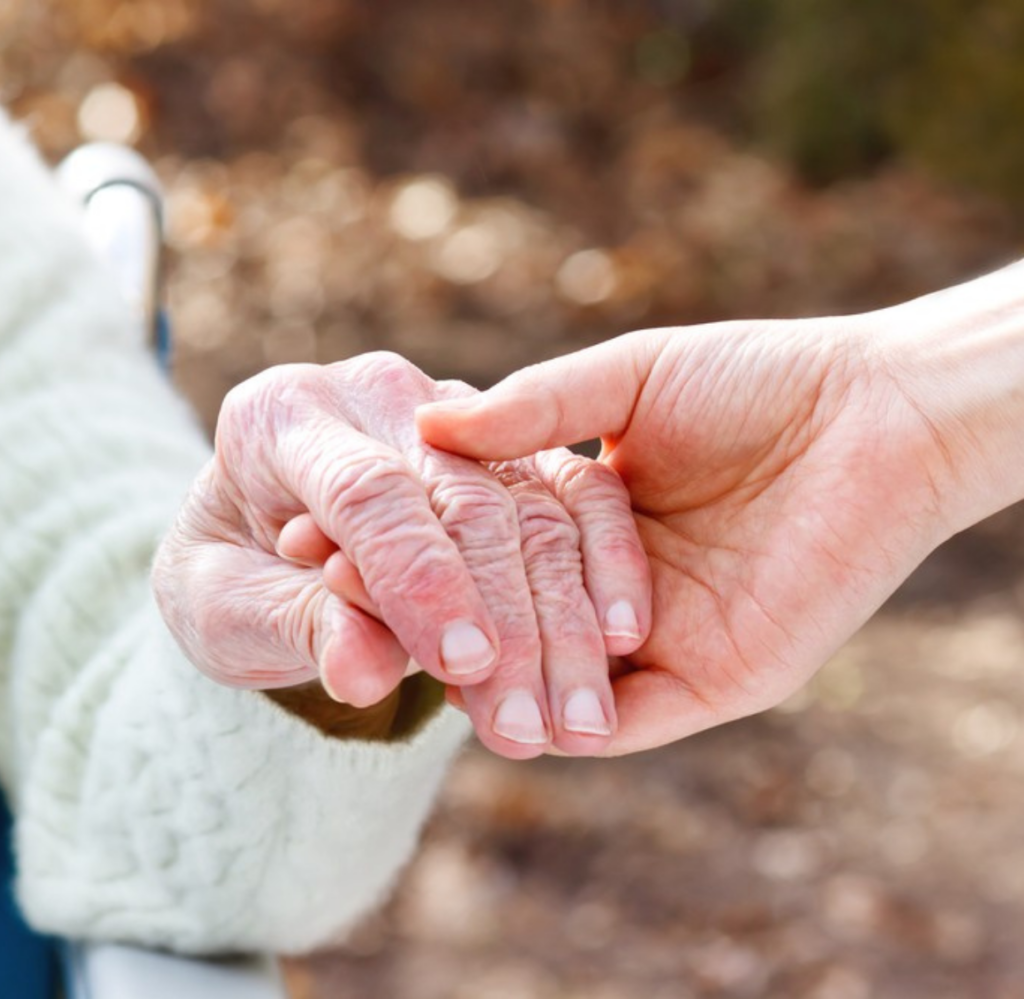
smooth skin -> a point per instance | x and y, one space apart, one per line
786 477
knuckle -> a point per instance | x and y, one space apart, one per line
388 531
547 530
382 361
271 402
619 547
238 411
241 397
454 388
514 475
416 581
585 481
365 487
425 571
387 371
257 394
481 507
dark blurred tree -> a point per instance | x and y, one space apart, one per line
838 85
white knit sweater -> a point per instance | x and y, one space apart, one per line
153 805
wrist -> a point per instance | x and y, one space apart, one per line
397 716
958 358
311 703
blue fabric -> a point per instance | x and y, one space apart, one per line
162 344
28 961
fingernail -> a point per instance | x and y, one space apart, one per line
518 718
583 713
329 690
465 649
620 621
333 694
333 623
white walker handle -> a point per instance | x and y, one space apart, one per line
123 201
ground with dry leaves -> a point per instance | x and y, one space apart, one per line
481 185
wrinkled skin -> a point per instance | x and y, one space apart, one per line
325 538
784 484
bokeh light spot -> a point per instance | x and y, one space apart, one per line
423 208
587 277
985 729
110 113
470 255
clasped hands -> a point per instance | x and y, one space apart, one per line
762 488
326 540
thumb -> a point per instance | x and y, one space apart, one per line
574 398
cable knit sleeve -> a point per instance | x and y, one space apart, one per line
153 805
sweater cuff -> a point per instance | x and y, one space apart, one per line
213 820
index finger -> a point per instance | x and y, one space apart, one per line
570 399
367 499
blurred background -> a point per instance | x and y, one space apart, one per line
478 185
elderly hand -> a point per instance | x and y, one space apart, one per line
326 539
786 477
